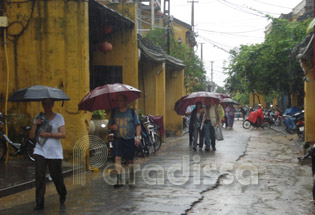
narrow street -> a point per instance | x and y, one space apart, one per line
251 172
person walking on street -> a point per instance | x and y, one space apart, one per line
230 112
260 116
125 124
196 118
48 152
188 113
212 117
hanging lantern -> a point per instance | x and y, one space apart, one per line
105 47
159 13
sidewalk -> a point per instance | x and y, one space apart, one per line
19 174
281 129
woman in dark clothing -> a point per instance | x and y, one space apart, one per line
195 120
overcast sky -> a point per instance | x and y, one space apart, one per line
228 24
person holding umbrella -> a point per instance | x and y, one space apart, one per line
48 130
125 123
195 121
48 152
230 112
212 117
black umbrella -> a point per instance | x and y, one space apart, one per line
38 93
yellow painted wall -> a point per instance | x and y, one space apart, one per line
125 49
152 85
180 31
309 114
174 91
261 98
54 51
147 85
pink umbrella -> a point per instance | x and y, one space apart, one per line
104 97
191 99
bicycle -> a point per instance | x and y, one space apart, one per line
26 146
153 131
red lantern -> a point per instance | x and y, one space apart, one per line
159 13
105 47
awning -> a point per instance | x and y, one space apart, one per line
105 16
304 50
174 63
154 53
150 51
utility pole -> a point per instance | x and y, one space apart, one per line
211 70
192 13
152 14
167 22
201 49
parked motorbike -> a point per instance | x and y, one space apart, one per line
278 118
291 121
268 117
299 122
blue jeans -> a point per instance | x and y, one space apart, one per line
209 134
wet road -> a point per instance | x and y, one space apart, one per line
179 180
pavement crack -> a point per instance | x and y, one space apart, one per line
244 152
216 185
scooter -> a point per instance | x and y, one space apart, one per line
269 117
291 121
299 122
278 118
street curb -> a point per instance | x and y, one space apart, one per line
27 185
272 128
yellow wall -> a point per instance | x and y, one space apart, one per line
152 85
125 49
54 51
309 108
180 31
174 91
261 98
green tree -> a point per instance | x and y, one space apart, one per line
195 74
268 67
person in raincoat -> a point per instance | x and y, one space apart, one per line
230 112
257 117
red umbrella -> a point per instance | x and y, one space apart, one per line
104 97
191 99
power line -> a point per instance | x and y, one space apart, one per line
214 44
239 32
263 13
228 4
272 4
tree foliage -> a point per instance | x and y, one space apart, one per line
268 67
194 71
